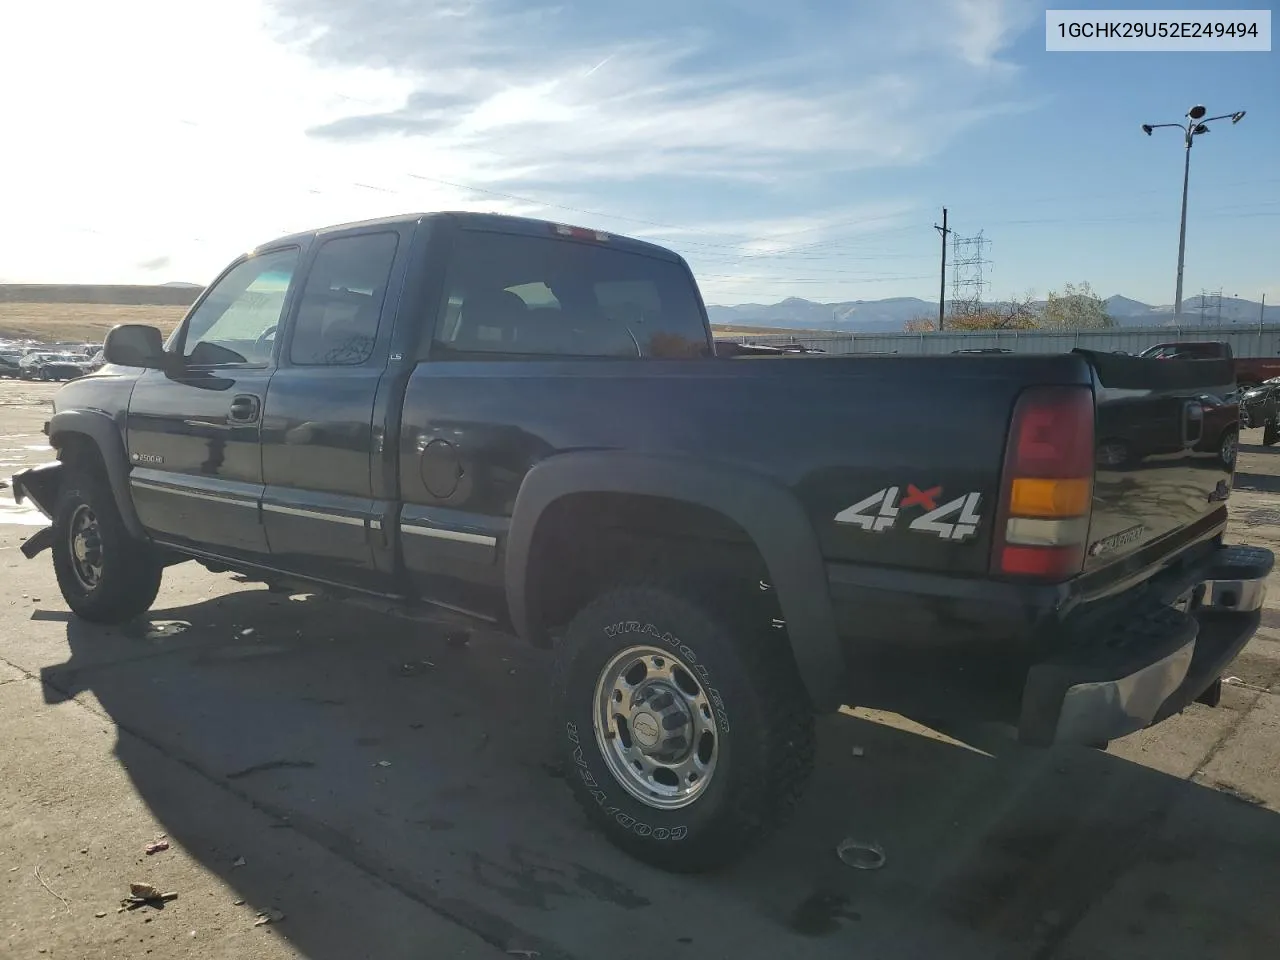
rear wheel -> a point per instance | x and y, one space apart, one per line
686 733
105 575
1270 433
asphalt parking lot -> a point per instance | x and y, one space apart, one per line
376 789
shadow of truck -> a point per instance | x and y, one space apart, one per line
427 765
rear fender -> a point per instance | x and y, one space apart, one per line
768 513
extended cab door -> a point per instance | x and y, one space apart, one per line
319 505
194 434
534 326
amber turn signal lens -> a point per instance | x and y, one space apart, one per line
1036 497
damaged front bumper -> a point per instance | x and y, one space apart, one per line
40 486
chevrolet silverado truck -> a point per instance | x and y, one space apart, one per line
491 420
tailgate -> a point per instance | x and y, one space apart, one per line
1159 467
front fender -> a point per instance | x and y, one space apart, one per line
102 431
768 513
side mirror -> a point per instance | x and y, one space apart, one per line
135 345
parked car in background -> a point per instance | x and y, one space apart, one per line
1260 407
51 366
10 363
95 362
1248 370
1220 427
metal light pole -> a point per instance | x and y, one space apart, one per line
1195 126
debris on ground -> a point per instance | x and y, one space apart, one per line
859 752
100 914
239 862
415 668
65 902
237 903
156 846
527 954
246 632
1232 680
145 895
270 915
860 854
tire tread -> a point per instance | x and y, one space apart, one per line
763 803
132 581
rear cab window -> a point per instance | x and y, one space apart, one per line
531 297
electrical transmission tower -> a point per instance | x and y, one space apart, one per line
1210 306
968 260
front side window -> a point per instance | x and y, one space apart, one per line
528 296
236 322
341 306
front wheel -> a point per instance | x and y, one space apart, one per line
686 733
105 575
1270 433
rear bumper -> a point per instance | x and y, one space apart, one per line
937 647
1133 672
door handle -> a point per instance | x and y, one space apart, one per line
244 408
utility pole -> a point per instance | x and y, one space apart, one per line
942 283
1262 312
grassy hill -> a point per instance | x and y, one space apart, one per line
54 312
89 322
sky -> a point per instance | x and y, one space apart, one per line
803 148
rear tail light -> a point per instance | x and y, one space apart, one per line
1043 523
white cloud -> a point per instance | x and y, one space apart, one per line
163 137
984 27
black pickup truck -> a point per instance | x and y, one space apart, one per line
490 419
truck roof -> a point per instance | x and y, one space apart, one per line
491 222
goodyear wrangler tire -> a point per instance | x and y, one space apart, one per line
685 731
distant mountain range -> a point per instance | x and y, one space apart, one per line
877 316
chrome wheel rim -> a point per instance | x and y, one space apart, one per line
1229 449
85 542
655 727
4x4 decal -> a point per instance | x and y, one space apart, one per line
956 519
